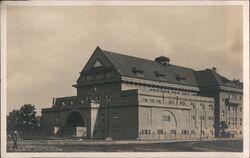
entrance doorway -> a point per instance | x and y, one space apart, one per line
75 120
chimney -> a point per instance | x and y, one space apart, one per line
214 69
163 60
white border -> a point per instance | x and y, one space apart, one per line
245 153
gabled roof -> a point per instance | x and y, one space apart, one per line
209 77
126 65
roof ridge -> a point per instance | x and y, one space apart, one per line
105 51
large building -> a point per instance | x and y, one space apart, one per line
125 97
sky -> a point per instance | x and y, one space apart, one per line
47 47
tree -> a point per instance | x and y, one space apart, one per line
12 121
223 126
27 120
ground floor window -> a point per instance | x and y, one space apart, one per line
173 131
160 131
185 132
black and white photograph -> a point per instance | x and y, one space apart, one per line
125 79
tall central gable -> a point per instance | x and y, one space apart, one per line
98 62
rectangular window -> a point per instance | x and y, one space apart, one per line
160 131
98 76
151 100
173 131
98 97
108 75
145 99
202 118
89 77
193 117
192 132
166 118
211 118
212 132
108 97
158 101
115 115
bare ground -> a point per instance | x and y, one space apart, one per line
126 146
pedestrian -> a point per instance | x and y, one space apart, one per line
15 139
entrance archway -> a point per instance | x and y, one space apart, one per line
75 120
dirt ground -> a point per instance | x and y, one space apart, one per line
126 146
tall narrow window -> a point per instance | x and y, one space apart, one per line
108 97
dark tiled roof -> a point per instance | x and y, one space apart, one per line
127 65
212 78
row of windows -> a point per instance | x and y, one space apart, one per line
171 101
174 92
98 97
183 132
151 100
99 76
233 121
234 108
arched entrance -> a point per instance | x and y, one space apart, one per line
75 119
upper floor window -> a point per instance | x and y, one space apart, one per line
108 97
137 72
166 118
97 63
98 76
108 74
89 77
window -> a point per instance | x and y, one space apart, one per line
160 131
223 112
185 132
115 115
171 102
240 109
173 132
166 118
108 97
115 132
98 98
108 75
145 99
212 132
98 76
211 107
202 118
182 103
152 100
192 132
89 77
97 63
211 118
202 106
193 105
193 117
138 73
142 131
103 117
158 101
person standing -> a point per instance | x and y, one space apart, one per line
15 139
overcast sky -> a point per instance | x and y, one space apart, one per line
47 47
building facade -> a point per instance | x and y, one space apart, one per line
125 97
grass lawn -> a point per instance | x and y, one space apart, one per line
126 146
